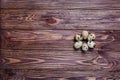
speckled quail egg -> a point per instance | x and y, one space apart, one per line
78 44
84 47
85 35
91 37
91 44
78 37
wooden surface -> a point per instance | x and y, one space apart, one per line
61 19
37 39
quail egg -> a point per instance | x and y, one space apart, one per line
85 35
85 47
78 37
78 44
91 37
91 44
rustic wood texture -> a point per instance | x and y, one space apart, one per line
61 19
60 4
62 60
38 74
46 55
98 61
56 39
37 38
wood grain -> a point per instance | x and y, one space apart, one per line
37 39
62 64
61 60
41 75
38 74
60 19
56 39
60 4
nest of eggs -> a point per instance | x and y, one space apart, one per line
84 41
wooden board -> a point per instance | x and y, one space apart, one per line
37 38
61 60
38 74
56 39
61 19
60 4
73 64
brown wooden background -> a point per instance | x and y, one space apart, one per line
37 39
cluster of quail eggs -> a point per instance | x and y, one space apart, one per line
84 41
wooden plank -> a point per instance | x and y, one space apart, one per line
61 4
39 59
56 39
43 64
53 75
61 19
62 60
56 75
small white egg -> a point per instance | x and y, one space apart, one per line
85 47
78 44
78 37
91 37
91 44
85 34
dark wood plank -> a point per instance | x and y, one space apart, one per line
35 75
61 19
61 4
56 39
61 60
39 59
38 74
66 64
